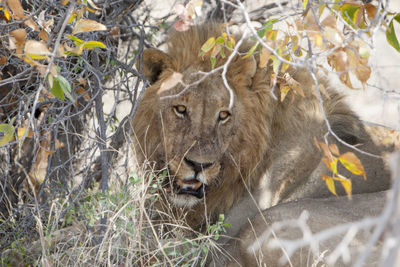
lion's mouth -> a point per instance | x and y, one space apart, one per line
190 187
187 187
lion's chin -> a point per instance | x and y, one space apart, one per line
184 200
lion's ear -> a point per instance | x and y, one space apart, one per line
242 70
154 62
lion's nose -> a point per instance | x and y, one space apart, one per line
196 166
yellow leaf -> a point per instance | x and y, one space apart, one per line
305 2
346 183
208 45
72 17
21 132
351 162
6 13
170 82
331 164
92 44
88 25
318 40
284 91
330 183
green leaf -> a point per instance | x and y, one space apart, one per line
213 61
222 53
350 12
266 27
56 89
8 137
391 34
220 40
91 44
65 87
252 49
5 128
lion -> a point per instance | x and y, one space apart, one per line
214 154
252 247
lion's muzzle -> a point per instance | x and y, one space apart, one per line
190 187
191 178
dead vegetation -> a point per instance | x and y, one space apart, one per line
63 200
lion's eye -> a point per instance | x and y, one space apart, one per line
180 110
224 115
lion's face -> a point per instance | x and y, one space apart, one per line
192 131
196 127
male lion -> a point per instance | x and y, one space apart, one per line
214 154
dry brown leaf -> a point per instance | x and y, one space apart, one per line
341 61
82 81
3 60
36 50
39 167
345 78
325 149
43 35
88 25
310 23
295 85
83 92
264 56
60 51
334 149
170 82
16 8
31 24
363 73
19 35
333 36
371 10
329 21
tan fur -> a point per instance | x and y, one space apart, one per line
266 146
252 247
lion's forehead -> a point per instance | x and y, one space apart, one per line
205 94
